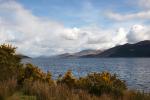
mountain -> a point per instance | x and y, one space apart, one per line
86 52
23 56
65 55
79 54
140 49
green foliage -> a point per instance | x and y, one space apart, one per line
9 62
95 83
10 66
102 83
68 79
32 73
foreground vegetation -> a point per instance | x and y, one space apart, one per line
28 82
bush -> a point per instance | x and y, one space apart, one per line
102 83
31 73
95 83
68 79
9 62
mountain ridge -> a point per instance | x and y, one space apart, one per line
79 54
139 49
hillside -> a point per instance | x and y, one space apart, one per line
23 56
140 49
79 54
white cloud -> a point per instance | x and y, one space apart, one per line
99 38
120 36
144 15
70 34
138 33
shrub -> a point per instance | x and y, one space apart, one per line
95 83
102 83
68 79
9 62
32 73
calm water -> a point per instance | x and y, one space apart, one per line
135 71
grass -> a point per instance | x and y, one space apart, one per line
7 88
21 96
59 92
42 91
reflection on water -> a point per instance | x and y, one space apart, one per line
135 71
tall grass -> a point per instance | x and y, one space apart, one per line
43 91
7 88
39 90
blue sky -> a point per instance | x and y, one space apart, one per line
53 27
72 12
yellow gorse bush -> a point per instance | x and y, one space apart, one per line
68 79
96 83
32 73
9 62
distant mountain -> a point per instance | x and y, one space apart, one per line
23 56
86 52
140 49
65 55
79 54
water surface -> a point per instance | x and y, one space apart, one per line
135 71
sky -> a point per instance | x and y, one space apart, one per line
51 27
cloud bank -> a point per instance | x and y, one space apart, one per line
37 36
